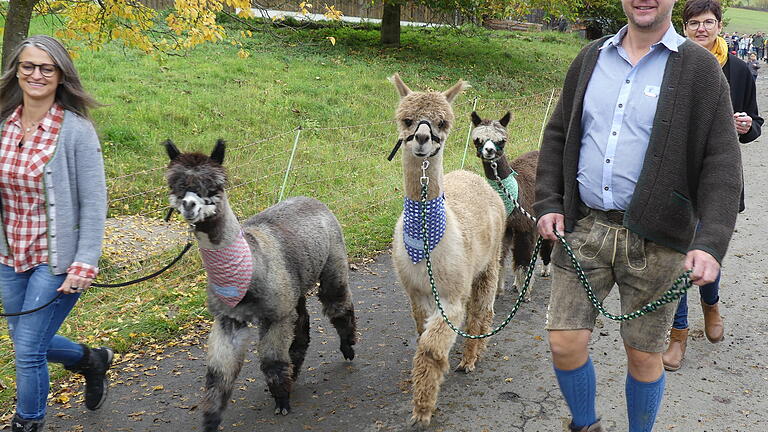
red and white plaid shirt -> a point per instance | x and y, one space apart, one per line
23 191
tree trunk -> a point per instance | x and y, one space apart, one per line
390 24
16 25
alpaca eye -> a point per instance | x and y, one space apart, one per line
407 122
442 124
501 143
477 141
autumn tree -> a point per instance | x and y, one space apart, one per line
94 23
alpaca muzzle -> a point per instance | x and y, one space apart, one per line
435 139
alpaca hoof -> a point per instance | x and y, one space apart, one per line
465 367
420 422
545 271
347 351
282 407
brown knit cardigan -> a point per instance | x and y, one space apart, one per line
692 168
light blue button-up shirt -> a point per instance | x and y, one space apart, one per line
619 108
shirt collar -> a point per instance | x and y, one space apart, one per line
15 117
671 39
46 122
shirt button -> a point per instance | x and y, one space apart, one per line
627 81
606 188
612 133
607 161
621 105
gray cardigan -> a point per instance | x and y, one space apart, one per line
692 168
75 197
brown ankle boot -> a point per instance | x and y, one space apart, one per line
713 322
673 356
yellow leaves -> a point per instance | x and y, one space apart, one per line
332 40
304 8
243 54
93 24
332 13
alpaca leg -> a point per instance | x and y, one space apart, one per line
419 316
544 253
227 344
300 342
506 264
337 304
430 363
524 244
479 317
274 352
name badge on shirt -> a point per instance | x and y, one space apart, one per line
651 91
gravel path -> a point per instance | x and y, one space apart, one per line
721 387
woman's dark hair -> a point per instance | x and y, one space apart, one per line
697 7
70 93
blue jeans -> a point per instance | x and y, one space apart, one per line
34 335
709 295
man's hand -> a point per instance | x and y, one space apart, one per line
548 222
743 122
705 267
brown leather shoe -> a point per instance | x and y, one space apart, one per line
673 356
595 427
713 322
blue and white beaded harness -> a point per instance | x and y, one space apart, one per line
412 226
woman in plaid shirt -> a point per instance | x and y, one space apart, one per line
53 209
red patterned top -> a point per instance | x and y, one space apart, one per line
23 192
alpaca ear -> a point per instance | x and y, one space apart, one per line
476 120
218 152
171 149
505 120
402 89
454 91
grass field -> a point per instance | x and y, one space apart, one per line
745 21
340 98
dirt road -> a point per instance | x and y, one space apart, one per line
721 387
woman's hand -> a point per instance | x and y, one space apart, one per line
743 122
75 284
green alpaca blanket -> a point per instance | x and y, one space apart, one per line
510 183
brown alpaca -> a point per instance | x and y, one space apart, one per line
490 139
465 261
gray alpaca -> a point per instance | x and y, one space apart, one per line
259 272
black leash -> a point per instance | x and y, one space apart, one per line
187 247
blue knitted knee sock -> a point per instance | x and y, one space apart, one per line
578 388
643 401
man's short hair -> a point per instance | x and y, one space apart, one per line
697 7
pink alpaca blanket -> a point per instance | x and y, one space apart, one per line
229 270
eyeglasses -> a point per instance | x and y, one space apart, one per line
709 24
46 69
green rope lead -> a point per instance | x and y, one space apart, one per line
679 287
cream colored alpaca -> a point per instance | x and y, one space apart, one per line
465 262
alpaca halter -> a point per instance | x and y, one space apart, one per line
229 270
434 138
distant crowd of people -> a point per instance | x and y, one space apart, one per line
750 48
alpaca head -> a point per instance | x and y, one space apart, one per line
196 181
424 119
490 136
